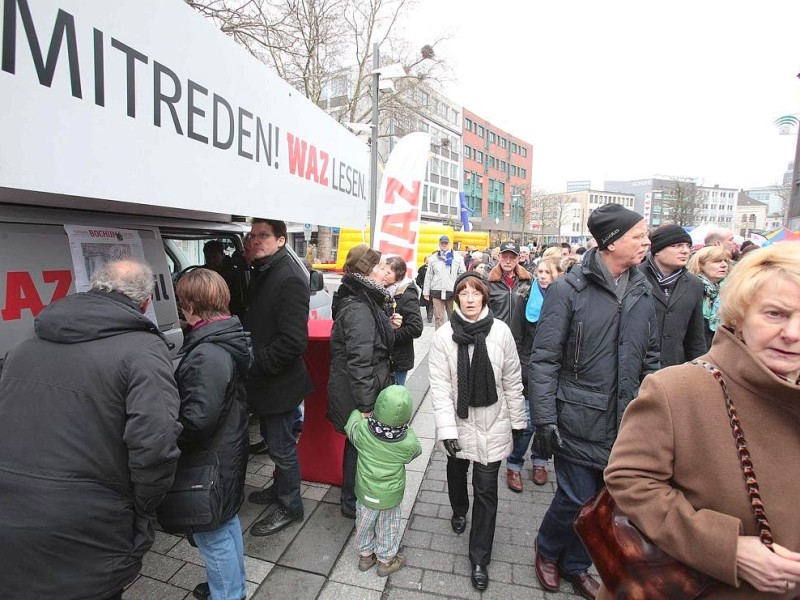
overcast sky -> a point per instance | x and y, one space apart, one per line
628 89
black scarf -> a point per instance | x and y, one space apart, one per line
386 432
374 296
476 384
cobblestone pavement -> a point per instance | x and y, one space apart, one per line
316 560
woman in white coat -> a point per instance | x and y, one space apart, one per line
479 409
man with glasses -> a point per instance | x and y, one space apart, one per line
444 267
677 295
278 324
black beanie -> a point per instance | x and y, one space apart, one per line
610 222
666 235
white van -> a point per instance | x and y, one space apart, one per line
37 267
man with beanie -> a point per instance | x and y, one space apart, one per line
443 268
386 444
677 295
596 340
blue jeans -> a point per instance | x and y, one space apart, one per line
557 540
400 377
223 552
277 432
516 459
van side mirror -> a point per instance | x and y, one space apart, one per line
316 281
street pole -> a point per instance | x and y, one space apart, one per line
373 146
794 198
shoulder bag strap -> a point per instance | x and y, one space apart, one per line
765 531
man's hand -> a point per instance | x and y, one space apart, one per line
546 439
451 447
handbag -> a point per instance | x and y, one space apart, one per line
631 566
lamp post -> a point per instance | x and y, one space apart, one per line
794 198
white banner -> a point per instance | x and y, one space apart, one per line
400 199
145 101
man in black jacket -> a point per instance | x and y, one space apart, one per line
677 295
596 340
277 319
88 441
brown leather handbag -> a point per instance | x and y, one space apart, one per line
631 566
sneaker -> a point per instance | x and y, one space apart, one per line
394 565
365 563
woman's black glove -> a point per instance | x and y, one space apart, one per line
516 434
451 447
546 439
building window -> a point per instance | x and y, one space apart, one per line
502 142
468 124
481 131
492 137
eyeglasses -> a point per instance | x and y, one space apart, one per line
469 295
261 236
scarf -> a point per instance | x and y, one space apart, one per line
386 432
533 308
710 302
377 299
447 257
665 282
476 384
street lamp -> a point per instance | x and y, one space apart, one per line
794 198
389 72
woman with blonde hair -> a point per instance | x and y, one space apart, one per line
676 470
711 265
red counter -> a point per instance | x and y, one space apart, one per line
320 448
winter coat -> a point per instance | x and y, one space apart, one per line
88 432
523 330
277 320
381 470
505 302
485 435
359 367
441 277
407 305
590 354
675 469
211 376
680 318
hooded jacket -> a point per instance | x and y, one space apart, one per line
406 304
277 319
360 348
88 432
381 473
590 354
210 376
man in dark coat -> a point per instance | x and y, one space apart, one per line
277 320
596 340
88 441
677 294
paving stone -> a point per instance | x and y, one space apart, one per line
319 543
164 542
346 570
453 586
334 590
525 575
426 509
417 539
434 525
407 577
159 566
250 512
512 553
454 544
256 570
257 480
145 588
189 576
315 493
404 594
283 582
184 551
333 496
271 547
498 590
429 559
413 482
424 425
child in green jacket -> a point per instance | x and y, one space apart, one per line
385 444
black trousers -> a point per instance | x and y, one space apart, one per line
349 463
484 507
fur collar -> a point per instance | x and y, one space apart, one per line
496 274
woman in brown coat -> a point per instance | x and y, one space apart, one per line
675 470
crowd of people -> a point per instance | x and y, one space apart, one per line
606 359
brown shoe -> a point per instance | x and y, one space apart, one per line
365 563
514 480
394 565
546 572
539 475
584 584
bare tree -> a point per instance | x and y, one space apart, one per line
681 202
324 49
549 212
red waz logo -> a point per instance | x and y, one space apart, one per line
21 292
